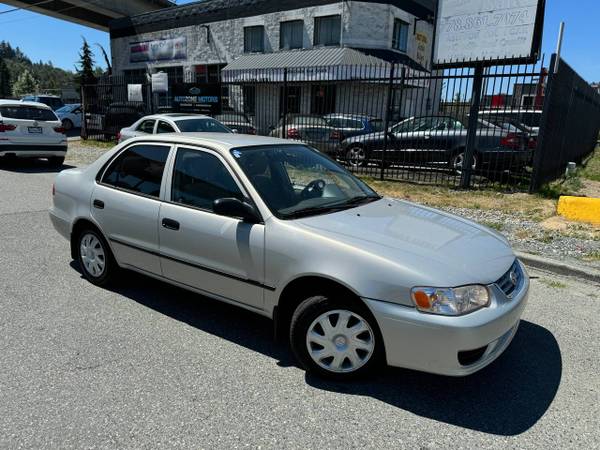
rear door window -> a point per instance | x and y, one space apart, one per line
164 127
147 126
138 169
27 113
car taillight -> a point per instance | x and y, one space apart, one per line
512 141
60 130
7 127
293 133
336 135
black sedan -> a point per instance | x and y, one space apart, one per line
434 141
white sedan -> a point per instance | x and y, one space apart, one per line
31 130
172 123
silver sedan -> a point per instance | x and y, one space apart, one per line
351 279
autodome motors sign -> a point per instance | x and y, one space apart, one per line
205 99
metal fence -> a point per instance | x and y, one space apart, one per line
467 127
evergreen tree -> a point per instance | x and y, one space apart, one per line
25 84
85 71
5 86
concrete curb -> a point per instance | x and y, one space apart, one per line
581 209
560 268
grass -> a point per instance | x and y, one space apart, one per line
577 184
591 170
494 225
592 257
98 144
531 206
554 284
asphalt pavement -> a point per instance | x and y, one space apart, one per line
146 365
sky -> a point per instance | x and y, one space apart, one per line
48 39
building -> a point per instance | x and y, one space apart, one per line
232 41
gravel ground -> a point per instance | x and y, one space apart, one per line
525 235
146 365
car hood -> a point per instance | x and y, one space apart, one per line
448 250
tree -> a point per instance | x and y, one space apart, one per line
85 71
5 88
25 84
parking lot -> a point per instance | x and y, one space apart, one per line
149 365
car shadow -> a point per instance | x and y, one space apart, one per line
506 398
30 165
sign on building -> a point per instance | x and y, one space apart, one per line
158 50
204 98
488 30
160 82
134 93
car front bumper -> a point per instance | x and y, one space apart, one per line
432 343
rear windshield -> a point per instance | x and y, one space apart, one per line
201 126
27 113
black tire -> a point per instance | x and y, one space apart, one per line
303 319
455 159
67 124
56 161
110 268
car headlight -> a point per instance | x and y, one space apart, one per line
450 301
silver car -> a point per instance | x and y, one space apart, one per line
172 123
351 279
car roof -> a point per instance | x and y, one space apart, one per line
176 116
351 116
21 103
225 141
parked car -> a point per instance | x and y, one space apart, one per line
350 125
527 117
53 101
351 279
31 130
70 116
514 126
172 123
310 129
237 122
433 141
118 113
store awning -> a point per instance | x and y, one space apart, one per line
323 64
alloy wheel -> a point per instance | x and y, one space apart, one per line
340 341
356 156
92 254
458 162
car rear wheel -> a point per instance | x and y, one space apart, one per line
67 124
335 339
457 162
95 258
356 156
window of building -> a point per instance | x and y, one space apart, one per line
200 178
249 95
254 39
400 36
138 169
328 30
294 96
323 99
291 34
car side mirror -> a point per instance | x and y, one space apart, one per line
233 207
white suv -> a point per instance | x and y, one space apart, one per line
31 130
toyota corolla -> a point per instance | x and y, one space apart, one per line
352 280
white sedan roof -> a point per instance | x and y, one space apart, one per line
224 140
177 116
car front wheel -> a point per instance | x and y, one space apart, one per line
356 156
95 258
335 339
457 162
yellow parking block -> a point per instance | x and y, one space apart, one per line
581 209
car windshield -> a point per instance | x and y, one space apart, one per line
202 126
296 181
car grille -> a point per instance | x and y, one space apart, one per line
511 280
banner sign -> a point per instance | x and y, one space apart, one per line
488 30
159 50
204 98
160 82
134 93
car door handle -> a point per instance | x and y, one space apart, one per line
170 224
98 204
